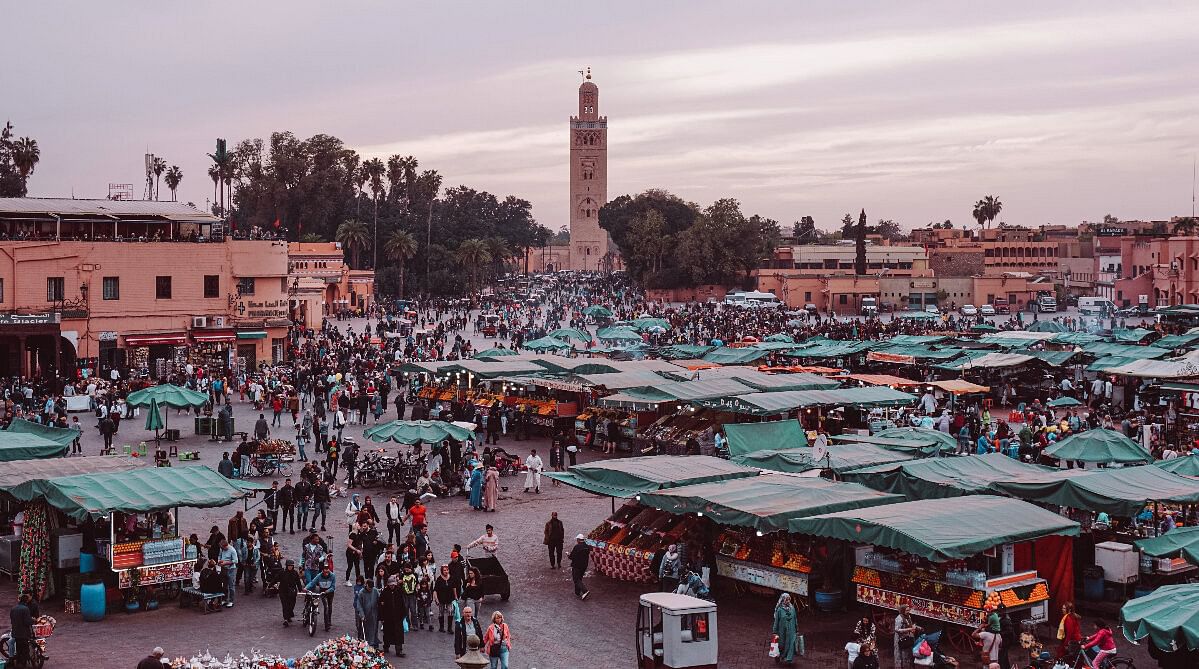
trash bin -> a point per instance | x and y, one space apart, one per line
1092 584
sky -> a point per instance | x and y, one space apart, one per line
913 111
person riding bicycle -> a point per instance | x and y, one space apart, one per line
324 584
1103 642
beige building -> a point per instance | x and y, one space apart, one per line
322 283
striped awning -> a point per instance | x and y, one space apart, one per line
157 338
214 335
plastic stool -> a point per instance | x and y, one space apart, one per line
173 450
127 449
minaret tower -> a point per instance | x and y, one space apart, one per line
588 179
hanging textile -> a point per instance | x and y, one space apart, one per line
35 551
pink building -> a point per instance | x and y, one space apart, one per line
74 297
324 284
1163 269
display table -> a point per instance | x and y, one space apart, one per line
950 602
624 545
158 574
77 403
622 563
771 561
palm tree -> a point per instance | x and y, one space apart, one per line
471 255
395 176
400 247
25 155
360 178
353 235
158 166
375 170
500 254
214 173
1185 226
987 209
311 238
224 175
174 176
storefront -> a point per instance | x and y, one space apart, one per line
157 354
213 349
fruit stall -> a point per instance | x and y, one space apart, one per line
624 545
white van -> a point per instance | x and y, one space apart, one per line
736 297
758 299
1095 306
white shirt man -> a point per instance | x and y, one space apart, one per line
533 477
490 542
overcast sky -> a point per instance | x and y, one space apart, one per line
1065 111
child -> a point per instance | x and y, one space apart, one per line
359 630
424 596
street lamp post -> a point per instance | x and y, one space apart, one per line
473 659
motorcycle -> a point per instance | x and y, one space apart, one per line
42 630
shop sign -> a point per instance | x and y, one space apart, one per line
877 356
1112 231
107 336
263 309
924 284
28 319
926 608
159 574
777 579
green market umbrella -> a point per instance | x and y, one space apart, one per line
1185 465
780 337
570 333
646 324
494 353
413 431
1099 446
598 311
1169 616
169 395
1062 402
153 419
620 333
1180 542
546 344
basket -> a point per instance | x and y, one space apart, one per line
43 630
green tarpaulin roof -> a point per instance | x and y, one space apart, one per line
413 431
1054 358
1104 349
1099 445
684 351
749 437
769 382
13 474
494 353
840 458
618 333
831 349
628 477
1130 335
135 491
1047 326
947 442
967 356
622 380
945 477
547 344
917 315
1182 368
1169 616
1109 362
780 337
570 333
169 395
734 356
940 529
18 446
643 324
766 503
1179 542
1176 341
60 435
1076 338
1118 491
769 404
914 447
910 340
1185 465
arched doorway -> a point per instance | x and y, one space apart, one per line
549 268
332 295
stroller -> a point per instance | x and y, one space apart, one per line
934 657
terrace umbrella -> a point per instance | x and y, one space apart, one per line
1169 616
153 419
570 333
598 311
413 431
494 353
169 395
780 337
1180 542
546 344
1099 445
1063 402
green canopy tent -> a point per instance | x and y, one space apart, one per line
766 503
940 529
570 333
598 311
1063 402
830 349
17 446
547 344
629 477
60 435
734 356
983 327
749 437
1120 492
494 353
945 477
1175 342
136 491
1130 335
618 334
916 447
779 337
1075 338
765 382
1047 326
918 315
1102 349
684 351
1099 445
414 431
770 404
168 395
1186 465
946 441
1180 542
840 458
647 324
1169 616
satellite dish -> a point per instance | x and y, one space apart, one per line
820 448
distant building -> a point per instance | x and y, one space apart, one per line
323 284
1165 270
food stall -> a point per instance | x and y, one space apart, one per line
949 559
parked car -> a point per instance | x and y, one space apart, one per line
987 310
932 309
811 308
969 310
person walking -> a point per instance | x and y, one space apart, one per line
905 634
491 489
668 571
303 499
498 641
463 628
445 596
554 537
286 500
366 608
288 582
393 612
262 430
785 627
22 620
321 499
393 512
580 555
533 467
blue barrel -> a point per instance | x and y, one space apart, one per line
91 601
87 563
1092 589
829 601
1143 591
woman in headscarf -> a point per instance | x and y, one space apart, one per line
476 487
491 488
785 619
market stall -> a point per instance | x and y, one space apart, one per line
18 446
671 433
837 459
1169 617
945 477
949 558
60 435
745 438
168 395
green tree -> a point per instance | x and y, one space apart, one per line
158 166
174 177
847 226
354 236
804 231
400 248
889 230
25 156
1185 226
375 170
10 180
986 210
311 238
472 254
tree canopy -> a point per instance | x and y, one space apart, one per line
666 242
18 160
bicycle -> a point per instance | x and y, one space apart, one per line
1082 661
311 609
